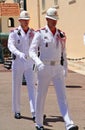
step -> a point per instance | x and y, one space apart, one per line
7 63
7 66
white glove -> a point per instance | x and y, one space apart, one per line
65 72
22 56
40 67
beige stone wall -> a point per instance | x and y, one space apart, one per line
5 27
7 11
9 1
71 20
32 9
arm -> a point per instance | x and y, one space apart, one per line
64 55
34 49
11 44
65 64
13 49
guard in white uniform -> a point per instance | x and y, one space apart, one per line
51 42
18 43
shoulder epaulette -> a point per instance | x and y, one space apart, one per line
42 28
12 30
37 30
32 29
16 28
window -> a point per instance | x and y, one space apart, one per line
43 4
18 1
55 2
71 1
10 22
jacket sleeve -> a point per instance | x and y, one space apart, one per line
62 39
11 44
65 58
65 63
33 50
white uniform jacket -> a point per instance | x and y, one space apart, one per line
19 43
50 47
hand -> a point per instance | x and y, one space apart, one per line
23 57
40 67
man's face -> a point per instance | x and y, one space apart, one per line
51 23
24 23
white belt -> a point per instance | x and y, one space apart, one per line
51 62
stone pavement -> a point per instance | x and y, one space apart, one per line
75 90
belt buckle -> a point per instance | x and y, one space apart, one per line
52 63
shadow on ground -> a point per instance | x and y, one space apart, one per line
73 86
47 120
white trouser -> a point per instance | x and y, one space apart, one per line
54 73
18 70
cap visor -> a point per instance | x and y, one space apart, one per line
51 17
24 18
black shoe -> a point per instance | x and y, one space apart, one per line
33 119
17 116
44 116
40 128
75 127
